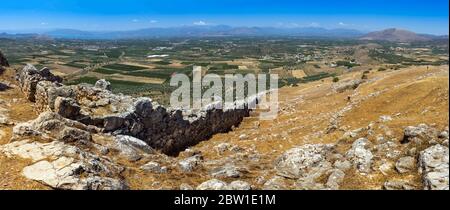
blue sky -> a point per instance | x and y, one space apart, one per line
424 16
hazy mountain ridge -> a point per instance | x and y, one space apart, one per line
392 34
399 35
201 31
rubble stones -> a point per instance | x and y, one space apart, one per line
360 155
299 161
405 164
433 165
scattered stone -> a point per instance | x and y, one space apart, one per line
398 185
191 163
433 165
405 164
103 84
223 147
386 168
443 135
69 134
243 137
360 155
299 161
342 165
239 185
154 168
131 148
347 85
335 179
213 184
227 171
385 118
185 186
275 183
411 132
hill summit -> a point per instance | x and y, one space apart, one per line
395 35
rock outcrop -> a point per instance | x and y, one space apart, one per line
433 165
3 61
168 130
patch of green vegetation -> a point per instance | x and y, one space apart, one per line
76 65
106 71
163 62
335 79
316 77
124 67
113 53
223 66
203 64
347 64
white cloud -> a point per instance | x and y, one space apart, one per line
342 24
135 20
314 24
153 21
44 23
200 23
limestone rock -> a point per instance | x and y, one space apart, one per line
299 161
411 132
335 179
227 171
67 107
405 164
130 147
433 165
154 168
347 85
191 163
69 134
103 84
213 184
239 185
398 185
275 183
360 155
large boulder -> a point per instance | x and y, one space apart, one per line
29 77
347 85
103 84
50 125
360 155
433 165
303 161
63 166
67 107
405 164
213 184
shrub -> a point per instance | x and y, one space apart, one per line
381 69
364 76
335 79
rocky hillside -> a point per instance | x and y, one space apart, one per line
389 131
395 35
3 61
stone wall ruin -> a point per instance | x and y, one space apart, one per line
165 129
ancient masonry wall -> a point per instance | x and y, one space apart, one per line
168 130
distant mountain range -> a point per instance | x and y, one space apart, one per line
399 35
207 31
223 30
